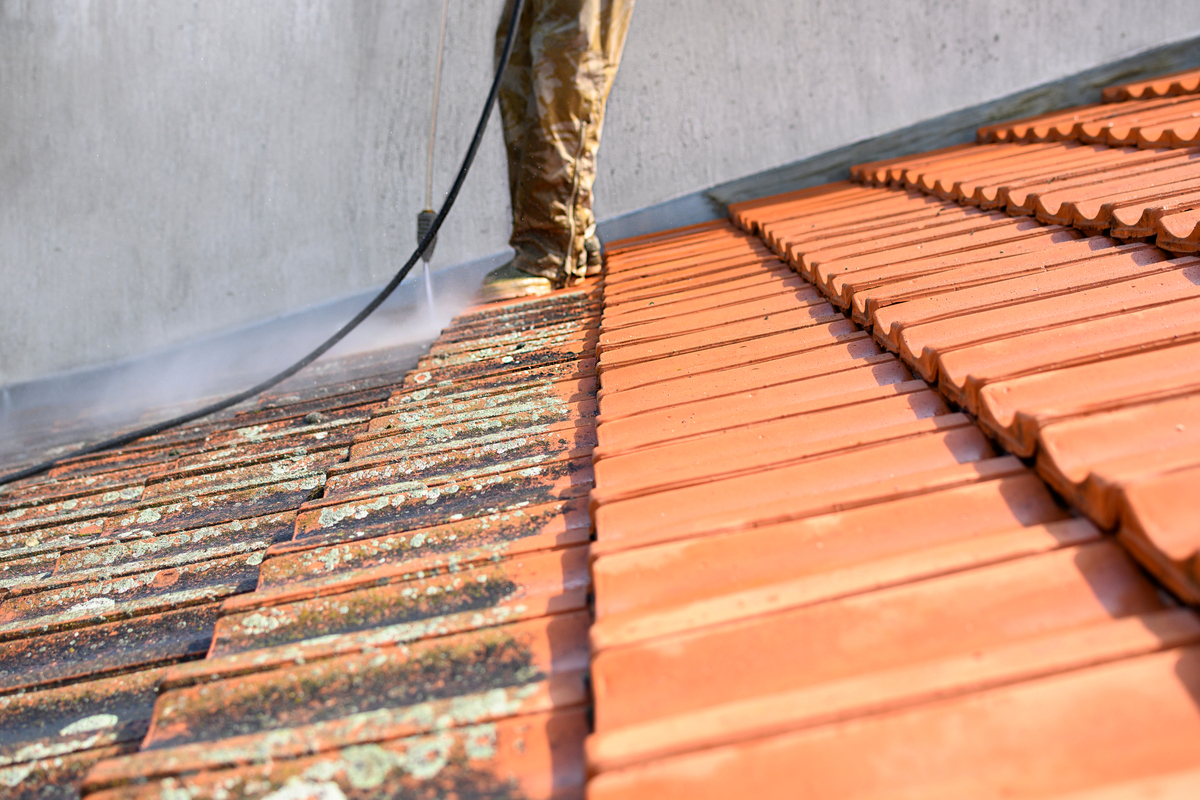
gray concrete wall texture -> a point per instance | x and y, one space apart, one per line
171 169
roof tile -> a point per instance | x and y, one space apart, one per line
1158 525
822 383
778 710
1054 271
529 586
705 526
1184 82
873 473
922 343
962 373
358 683
97 650
749 448
1179 231
836 554
770 487
536 756
1061 733
1015 410
54 722
1088 458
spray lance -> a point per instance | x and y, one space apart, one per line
426 217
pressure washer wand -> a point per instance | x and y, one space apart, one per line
426 217
424 223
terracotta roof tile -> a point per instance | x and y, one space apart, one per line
1185 82
1098 122
1158 525
529 586
755 491
1093 189
871 631
850 657
105 649
1016 410
888 689
750 447
537 756
922 342
1089 457
144 592
431 550
699 320
695 583
634 365
54 722
871 474
963 373
58 775
825 381
1179 231
1055 270
1052 735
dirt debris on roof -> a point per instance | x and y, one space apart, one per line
351 589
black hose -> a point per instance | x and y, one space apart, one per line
320 350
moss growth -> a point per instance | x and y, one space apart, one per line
333 690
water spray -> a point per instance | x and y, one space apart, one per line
426 217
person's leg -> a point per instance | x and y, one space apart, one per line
613 26
575 47
512 280
514 95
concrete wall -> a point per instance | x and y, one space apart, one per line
171 169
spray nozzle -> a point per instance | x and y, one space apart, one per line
424 223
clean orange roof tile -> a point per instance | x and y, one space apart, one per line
830 382
1158 515
956 614
1087 458
1184 82
856 545
781 710
922 344
1179 231
1055 270
1139 218
869 474
1061 733
753 446
1015 410
962 373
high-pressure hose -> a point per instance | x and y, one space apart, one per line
341 333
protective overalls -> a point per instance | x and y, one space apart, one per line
552 102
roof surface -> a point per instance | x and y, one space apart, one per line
883 488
